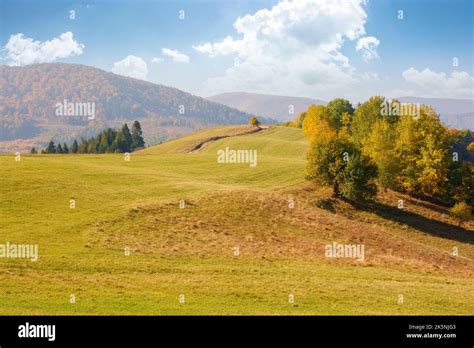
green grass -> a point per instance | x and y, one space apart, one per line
189 251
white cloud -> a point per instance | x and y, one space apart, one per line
132 66
227 46
368 45
21 50
430 83
175 55
157 60
292 48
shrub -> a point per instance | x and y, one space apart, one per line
461 211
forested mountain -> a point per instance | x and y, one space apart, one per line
274 106
30 95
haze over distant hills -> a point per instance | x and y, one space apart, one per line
29 96
276 107
457 113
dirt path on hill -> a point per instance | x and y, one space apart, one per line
198 147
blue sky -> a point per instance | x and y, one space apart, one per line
313 48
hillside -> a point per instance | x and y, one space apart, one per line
30 94
192 250
273 106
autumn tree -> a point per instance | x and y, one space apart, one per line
462 212
253 121
380 147
317 125
336 108
365 116
299 119
422 147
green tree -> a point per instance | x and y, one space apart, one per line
65 148
299 119
461 183
111 134
51 147
127 139
336 162
365 116
33 151
83 146
461 211
335 108
74 147
120 143
104 143
137 136
59 149
356 178
422 148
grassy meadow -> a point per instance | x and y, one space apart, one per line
135 205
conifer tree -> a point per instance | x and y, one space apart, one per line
51 147
74 147
127 139
137 136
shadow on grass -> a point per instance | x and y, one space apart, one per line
421 223
433 227
326 204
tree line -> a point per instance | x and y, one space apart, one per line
357 150
107 141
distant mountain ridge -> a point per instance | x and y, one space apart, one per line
281 108
456 113
29 95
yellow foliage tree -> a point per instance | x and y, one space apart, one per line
316 124
461 211
380 147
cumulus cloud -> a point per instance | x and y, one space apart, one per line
227 46
175 55
294 46
157 60
21 50
430 83
131 66
368 46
